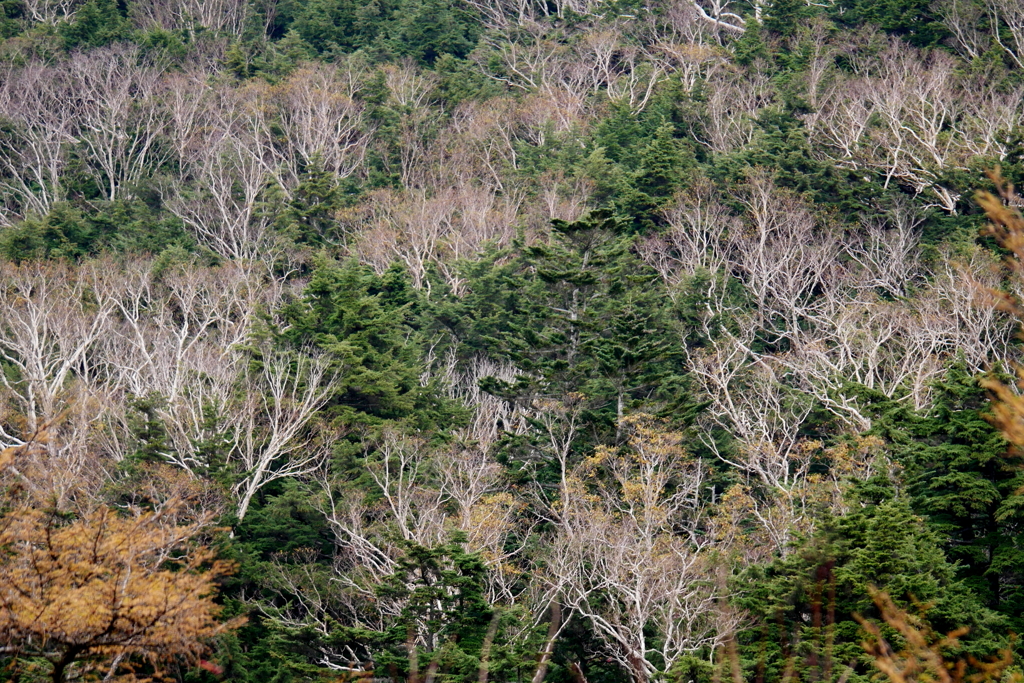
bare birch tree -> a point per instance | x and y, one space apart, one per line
734 99
320 120
51 11
121 116
1011 15
888 251
37 99
699 237
175 338
219 16
784 256
50 325
625 540
221 208
272 426
963 19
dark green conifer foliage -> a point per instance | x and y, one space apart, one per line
349 312
95 24
639 160
751 47
425 30
308 218
663 167
284 521
459 81
662 163
621 132
634 351
149 429
913 20
588 323
534 308
784 17
966 481
805 603
11 14
160 45
72 232
372 329
780 145
345 25
580 313
443 591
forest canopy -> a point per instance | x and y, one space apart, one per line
491 340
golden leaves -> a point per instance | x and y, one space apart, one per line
1007 227
7 456
105 586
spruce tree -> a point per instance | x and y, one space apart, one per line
965 479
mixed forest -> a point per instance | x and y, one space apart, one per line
554 341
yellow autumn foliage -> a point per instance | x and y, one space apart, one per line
1007 227
924 655
105 588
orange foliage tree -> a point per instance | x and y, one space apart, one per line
103 592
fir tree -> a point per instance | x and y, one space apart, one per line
965 479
